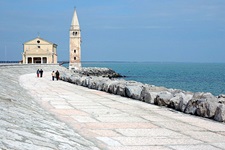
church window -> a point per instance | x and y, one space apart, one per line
38 41
44 60
29 60
39 46
74 33
74 51
74 58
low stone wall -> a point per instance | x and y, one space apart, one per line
200 104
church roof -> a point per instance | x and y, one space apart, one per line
41 39
75 23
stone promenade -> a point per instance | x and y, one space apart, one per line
117 123
24 125
38 113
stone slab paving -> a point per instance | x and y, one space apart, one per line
113 122
24 125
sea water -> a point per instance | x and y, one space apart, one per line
194 77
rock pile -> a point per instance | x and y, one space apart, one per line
94 71
200 104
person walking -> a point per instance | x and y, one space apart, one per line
41 73
38 73
57 75
53 75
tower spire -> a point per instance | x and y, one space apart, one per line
75 23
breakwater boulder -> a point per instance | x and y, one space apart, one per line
95 71
200 104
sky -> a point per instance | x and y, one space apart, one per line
118 30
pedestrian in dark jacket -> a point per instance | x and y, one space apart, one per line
57 75
38 73
41 73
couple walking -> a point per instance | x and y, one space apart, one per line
55 74
39 73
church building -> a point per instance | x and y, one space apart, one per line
75 43
39 51
42 51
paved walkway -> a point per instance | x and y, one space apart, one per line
112 122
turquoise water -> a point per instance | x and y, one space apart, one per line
194 77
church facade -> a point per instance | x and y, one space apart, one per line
39 51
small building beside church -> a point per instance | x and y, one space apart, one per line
39 51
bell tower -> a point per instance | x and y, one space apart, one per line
75 43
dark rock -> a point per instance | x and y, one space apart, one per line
175 101
146 95
191 107
207 96
94 71
163 98
206 108
221 96
133 92
184 101
221 99
105 86
121 89
113 87
220 113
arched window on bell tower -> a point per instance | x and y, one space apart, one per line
74 33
